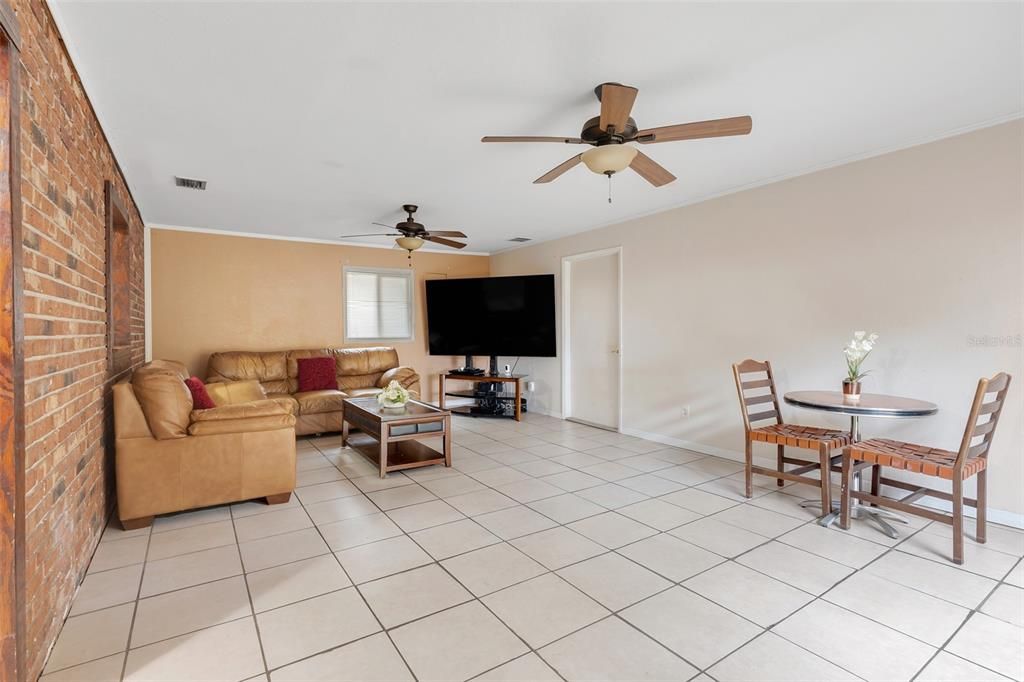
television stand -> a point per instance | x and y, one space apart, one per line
491 399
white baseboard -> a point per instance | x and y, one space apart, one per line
999 516
685 444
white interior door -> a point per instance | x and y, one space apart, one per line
593 333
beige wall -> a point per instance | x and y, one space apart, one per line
215 292
923 246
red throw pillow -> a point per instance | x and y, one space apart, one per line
201 400
317 374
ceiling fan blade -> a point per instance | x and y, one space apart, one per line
375 234
651 171
558 170
445 242
719 127
447 233
530 138
616 103
390 227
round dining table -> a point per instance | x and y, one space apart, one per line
867 405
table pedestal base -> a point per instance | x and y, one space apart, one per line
859 511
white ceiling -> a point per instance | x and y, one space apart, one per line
314 119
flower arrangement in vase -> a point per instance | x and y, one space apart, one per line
394 397
856 352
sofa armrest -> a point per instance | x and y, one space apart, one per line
270 422
256 408
406 376
129 420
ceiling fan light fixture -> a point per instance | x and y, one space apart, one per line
609 158
409 243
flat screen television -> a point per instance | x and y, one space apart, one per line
492 316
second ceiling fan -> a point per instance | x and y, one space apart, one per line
609 133
410 235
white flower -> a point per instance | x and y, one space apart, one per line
394 393
857 350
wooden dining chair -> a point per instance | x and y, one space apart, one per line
755 385
971 459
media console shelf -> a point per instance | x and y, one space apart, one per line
488 401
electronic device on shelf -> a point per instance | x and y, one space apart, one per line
467 371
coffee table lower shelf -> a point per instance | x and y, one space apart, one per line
403 454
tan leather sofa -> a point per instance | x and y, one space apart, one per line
170 457
359 371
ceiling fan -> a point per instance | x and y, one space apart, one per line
410 235
609 133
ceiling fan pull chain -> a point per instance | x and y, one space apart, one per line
609 188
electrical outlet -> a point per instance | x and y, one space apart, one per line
686 410
531 386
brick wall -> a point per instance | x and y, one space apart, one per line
69 471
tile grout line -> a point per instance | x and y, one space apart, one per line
963 623
248 593
439 565
135 608
672 583
150 534
520 504
776 538
857 571
474 597
362 597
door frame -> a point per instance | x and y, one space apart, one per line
13 661
567 262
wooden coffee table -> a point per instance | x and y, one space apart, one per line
391 438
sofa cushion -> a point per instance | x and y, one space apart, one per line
316 374
201 399
232 392
257 408
316 402
164 398
269 368
357 361
241 426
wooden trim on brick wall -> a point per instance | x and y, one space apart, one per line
117 221
9 24
13 661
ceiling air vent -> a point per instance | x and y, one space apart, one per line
519 239
189 183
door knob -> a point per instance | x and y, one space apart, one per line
616 351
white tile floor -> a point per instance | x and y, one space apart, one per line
549 551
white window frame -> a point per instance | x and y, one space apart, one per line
410 278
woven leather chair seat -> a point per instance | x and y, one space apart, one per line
911 457
808 437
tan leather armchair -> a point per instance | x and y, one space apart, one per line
170 457
359 371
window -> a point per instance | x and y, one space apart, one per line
378 304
